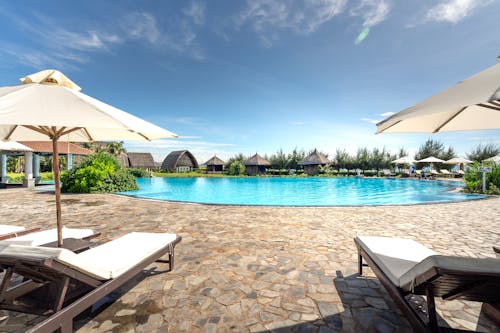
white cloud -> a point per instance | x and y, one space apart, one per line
68 46
454 11
297 123
373 121
373 12
196 11
269 17
387 114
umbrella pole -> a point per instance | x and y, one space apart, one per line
55 165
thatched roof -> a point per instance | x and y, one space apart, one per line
257 160
123 160
179 158
141 160
315 158
62 147
214 161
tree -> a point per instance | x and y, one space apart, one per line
434 148
294 158
115 148
402 152
342 159
279 160
236 168
362 159
482 152
238 157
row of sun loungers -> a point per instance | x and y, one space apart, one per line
60 284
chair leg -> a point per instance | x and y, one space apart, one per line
61 295
431 309
5 282
360 264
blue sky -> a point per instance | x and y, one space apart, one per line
257 76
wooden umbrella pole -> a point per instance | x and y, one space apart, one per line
55 166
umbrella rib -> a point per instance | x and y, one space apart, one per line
489 106
385 129
42 129
449 119
10 132
70 130
88 134
145 137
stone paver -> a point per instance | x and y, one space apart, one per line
261 269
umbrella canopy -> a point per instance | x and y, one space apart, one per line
472 104
458 160
404 160
48 106
494 159
13 146
431 159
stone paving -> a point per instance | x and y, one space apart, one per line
261 269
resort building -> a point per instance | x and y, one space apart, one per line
179 161
313 161
215 164
74 155
141 160
256 165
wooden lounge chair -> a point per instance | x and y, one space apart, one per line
48 236
61 284
9 231
406 267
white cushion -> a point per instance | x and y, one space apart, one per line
48 236
62 255
120 254
395 256
8 229
103 262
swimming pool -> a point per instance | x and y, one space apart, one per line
310 191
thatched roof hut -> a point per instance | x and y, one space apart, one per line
313 161
215 164
141 161
256 165
179 161
64 148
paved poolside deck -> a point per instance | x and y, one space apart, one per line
258 269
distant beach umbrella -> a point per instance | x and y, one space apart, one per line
48 106
494 159
472 104
431 159
404 160
458 160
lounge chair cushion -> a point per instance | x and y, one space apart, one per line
103 262
395 256
47 236
39 253
450 265
8 229
120 254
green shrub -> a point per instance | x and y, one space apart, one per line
474 180
236 168
98 173
140 173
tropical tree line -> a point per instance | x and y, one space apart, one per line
371 159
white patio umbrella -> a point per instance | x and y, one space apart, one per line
404 160
13 146
431 159
48 106
458 160
494 159
472 104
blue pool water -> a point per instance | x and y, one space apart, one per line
309 191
